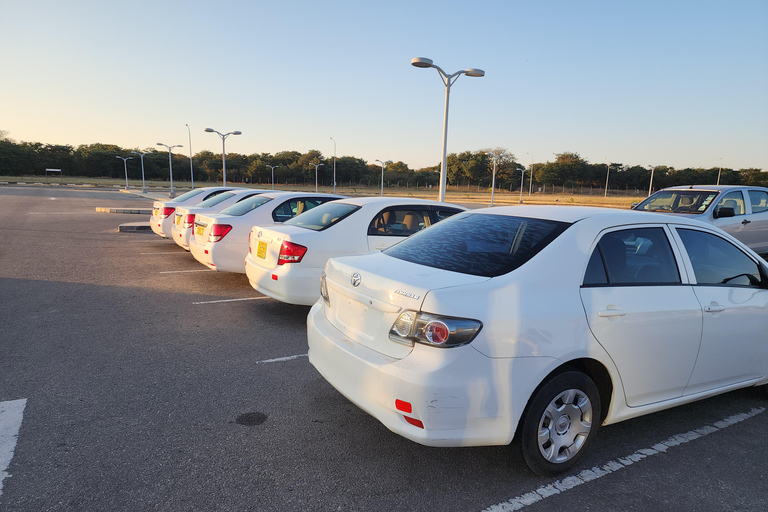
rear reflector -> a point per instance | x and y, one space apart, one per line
403 406
274 277
414 422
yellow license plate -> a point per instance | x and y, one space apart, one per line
199 230
178 220
261 252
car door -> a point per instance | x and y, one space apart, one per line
755 233
396 223
733 294
732 225
640 309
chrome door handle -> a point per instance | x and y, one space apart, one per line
714 309
607 313
745 222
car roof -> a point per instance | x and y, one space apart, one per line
281 194
386 201
714 188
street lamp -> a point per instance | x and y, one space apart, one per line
223 151
334 164
493 181
530 177
383 166
316 166
191 172
170 162
448 80
650 187
125 165
719 171
522 182
143 186
273 167
607 173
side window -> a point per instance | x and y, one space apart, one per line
287 210
733 200
401 221
718 262
759 200
640 256
443 212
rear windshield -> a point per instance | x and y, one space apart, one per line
678 201
213 201
186 195
323 216
246 205
478 244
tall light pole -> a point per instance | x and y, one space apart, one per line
495 159
530 175
448 80
334 164
607 173
125 165
650 187
719 171
170 162
143 186
522 182
273 167
223 151
191 171
316 166
383 166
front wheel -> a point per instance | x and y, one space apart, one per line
561 420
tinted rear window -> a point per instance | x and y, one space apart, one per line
478 244
323 216
245 206
213 201
186 195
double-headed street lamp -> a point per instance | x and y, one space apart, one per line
316 166
448 80
125 165
223 150
495 158
273 167
383 166
334 164
170 163
143 186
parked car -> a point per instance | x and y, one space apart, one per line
738 210
540 324
285 262
162 216
184 218
220 240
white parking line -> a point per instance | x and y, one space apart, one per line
588 475
228 300
281 359
11 414
156 253
185 271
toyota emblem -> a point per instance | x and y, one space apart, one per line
258 234
355 279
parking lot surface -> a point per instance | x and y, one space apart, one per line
152 383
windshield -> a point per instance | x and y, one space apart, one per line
186 195
678 201
246 205
323 216
478 244
213 201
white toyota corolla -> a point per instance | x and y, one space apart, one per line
541 323
162 216
220 240
285 262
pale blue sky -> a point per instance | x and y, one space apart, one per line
681 83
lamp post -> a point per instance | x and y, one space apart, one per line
170 163
125 165
223 151
143 186
493 181
191 172
273 167
607 173
650 187
334 164
719 171
383 166
448 80
522 183
530 177
316 166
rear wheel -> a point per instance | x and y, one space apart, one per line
561 420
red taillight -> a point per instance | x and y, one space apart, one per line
437 332
166 211
219 231
250 251
189 219
291 253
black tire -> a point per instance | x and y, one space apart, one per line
560 422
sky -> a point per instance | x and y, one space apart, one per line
677 83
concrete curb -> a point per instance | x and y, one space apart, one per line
139 211
134 227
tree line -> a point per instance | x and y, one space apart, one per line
292 167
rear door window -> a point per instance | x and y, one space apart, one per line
733 200
759 200
718 262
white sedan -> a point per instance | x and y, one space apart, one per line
162 216
285 262
184 219
220 240
541 323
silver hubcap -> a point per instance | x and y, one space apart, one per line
565 425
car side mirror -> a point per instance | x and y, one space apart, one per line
724 211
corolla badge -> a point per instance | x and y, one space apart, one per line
355 280
407 294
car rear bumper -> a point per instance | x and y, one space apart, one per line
461 396
157 226
289 283
221 256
